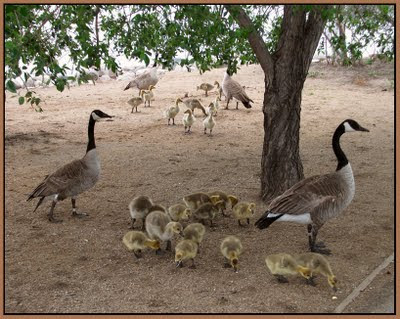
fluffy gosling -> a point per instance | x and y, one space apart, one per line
195 232
231 248
220 195
205 87
147 95
184 250
284 264
188 120
160 227
179 212
172 111
318 265
243 210
136 241
209 122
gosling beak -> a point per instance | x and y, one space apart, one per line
179 264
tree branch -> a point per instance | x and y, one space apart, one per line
255 40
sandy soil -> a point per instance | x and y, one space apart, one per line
81 265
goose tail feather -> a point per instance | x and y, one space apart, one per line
266 220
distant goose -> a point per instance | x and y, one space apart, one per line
315 200
144 80
73 178
205 87
233 89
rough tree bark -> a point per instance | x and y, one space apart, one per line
285 72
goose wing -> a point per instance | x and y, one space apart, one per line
144 80
237 91
309 195
66 177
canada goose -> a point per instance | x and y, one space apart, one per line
144 80
188 120
185 249
139 208
207 211
160 227
318 265
195 200
136 241
135 102
219 195
209 122
194 104
172 111
219 88
73 178
179 212
315 200
195 232
231 248
147 95
233 89
243 210
205 87
284 264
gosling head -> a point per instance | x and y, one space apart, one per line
332 282
234 261
233 200
186 214
179 100
188 111
251 208
304 271
151 87
216 83
178 259
176 228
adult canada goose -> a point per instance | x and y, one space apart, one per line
188 120
205 87
73 178
144 80
315 200
233 89
194 104
172 111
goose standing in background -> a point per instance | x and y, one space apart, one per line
232 89
315 200
73 178
144 80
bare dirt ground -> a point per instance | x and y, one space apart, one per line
81 265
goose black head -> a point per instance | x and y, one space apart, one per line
97 115
352 126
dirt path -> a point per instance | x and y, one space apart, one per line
82 266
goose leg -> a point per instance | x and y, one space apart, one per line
137 254
74 213
237 105
240 223
248 221
50 214
173 121
314 246
205 130
143 225
227 103
168 121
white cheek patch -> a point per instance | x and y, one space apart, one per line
95 116
348 128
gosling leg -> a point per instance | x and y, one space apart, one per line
168 248
193 266
132 223
281 279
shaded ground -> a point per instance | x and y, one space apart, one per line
82 266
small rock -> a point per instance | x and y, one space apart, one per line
334 297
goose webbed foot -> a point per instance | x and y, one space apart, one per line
320 250
79 215
54 220
138 254
281 279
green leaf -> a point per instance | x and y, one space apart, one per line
10 86
21 100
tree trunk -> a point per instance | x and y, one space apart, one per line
285 73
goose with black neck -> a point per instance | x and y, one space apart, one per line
315 200
73 178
